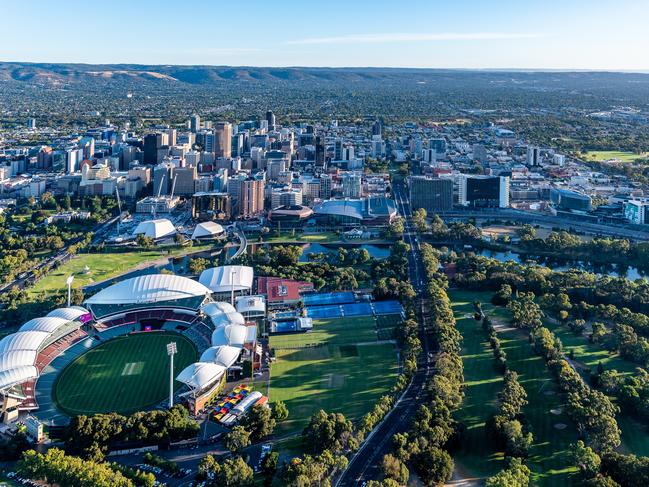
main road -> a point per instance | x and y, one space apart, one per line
365 464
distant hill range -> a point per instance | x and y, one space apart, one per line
71 74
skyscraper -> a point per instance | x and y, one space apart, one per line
270 118
338 150
377 128
151 144
431 194
319 151
195 123
223 139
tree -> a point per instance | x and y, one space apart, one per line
586 459
517 474
198 265
269 467
513 396
237 439
433 465
280 411
144 241
259 422
395 469
525 312
232 472
328 432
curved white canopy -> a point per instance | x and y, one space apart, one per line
207 229
251 304
228 319
70 314
23 340
47 324
16 375
200 374
150 288
227 278
17 358
233 335
224 355
155 228
212 309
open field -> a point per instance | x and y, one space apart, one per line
345 372
122 375
548 459
289 236
102 266
608 155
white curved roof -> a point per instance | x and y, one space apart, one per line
227 278
233 335
16 375
17 358
150 288
47 324
70 314
213 309
227 319
251 304
207 229
23 340
200 374
155 228
224 355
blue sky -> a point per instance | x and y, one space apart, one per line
568 34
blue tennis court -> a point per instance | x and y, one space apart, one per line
387 307
328 298
357 309
316 312
285 326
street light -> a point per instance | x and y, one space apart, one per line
68 281
232 273
172 349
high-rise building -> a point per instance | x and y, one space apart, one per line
352 186
285 197
319 151
533 156
377 128
171 136
184 180
429 156
31 123
223 139
438 144
195 123
325 186
152 142
162 179
270 118
338 150
247 196
431 194
484 191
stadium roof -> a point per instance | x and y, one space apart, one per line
155 228
48 324
208 229
150 288
251 304
213 309
233 335
71 313
200 374
227 319
224 355
347 208
17 358
227 278
23 340
16 375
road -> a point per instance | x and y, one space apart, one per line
365 464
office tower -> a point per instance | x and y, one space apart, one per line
274 167
162 179
310 129
31 123
484 191
348 153
223 139
88 146
319 151
479 154
338 150
533 156
207 140
325 187
378 147
559 160
171 136
377 128
429 156
237 145
247 196
152 142
270 119
195 123
184 180
431 194
285 197
439 145
352 185
73 158
59 161
416 147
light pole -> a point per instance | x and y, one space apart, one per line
68 281
232 273
171 351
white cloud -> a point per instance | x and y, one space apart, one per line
411 37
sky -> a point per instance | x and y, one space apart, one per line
499 34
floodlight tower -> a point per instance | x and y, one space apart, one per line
68 281
232 273
172 349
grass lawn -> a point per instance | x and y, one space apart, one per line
548 459
102 266
337 375
608 155
122 375
289 236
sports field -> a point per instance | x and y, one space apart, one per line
609 155
123 375
339 367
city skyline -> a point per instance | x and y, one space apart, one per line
573 35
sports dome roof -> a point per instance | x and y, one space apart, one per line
214 309
71 313
227 278
155 228
151 288
224 355
233 335
224 319
17 358
200 374
16 375
48 324
208 229
23 340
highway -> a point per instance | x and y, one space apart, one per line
365 464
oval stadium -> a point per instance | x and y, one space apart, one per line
110 355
